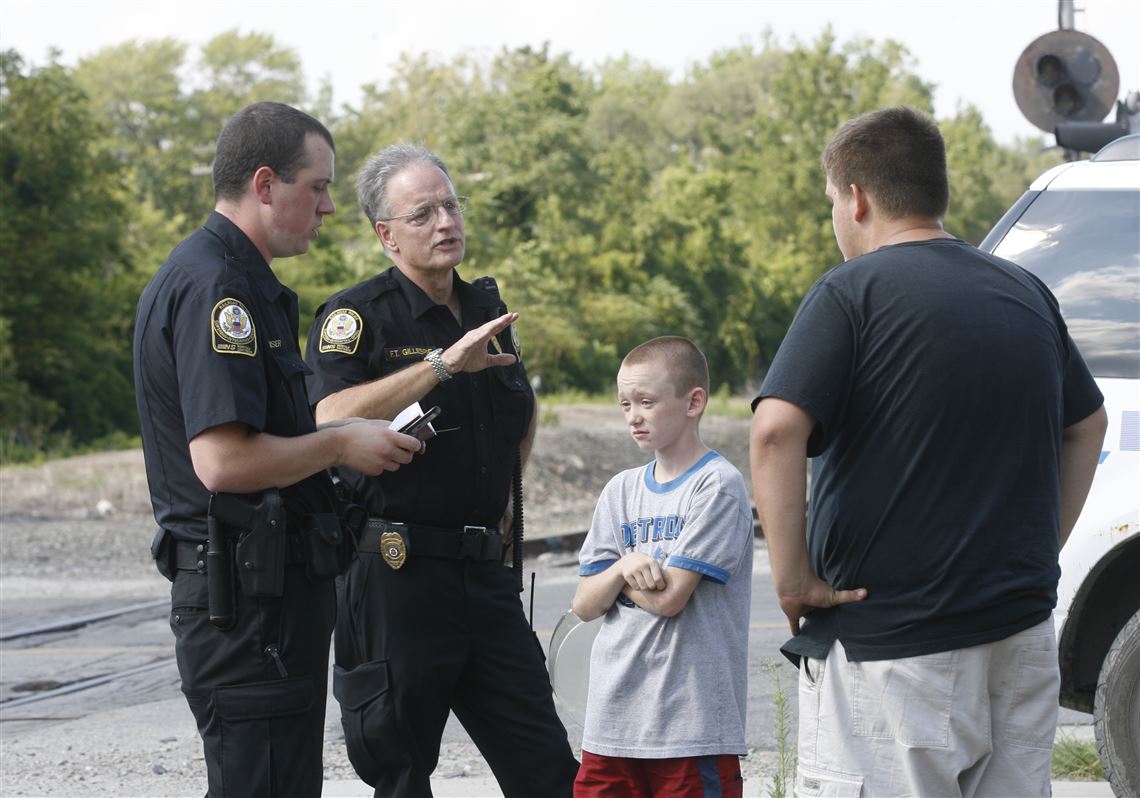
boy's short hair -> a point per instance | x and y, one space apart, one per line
684 362
897 156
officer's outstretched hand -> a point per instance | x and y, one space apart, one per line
470 353
811 593
641 572
371 447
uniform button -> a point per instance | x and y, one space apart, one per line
178 619
482 427
482 469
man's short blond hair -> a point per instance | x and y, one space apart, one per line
683 360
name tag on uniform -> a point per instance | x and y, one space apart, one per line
407 352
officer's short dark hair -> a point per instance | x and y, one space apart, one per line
682 359
373 178
263 134
897 156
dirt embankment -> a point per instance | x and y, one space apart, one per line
92 513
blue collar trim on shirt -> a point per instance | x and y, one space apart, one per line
665 487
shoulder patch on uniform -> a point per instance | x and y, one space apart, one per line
231 328
341 332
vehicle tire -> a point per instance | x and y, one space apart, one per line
1116 714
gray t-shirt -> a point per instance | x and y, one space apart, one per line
673 687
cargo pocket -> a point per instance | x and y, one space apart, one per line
817 782
906 699
1032 719
371 729
252 738
809 689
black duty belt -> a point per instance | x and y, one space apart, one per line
396 541
189 556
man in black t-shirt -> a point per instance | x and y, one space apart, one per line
955 431
431 620
219 384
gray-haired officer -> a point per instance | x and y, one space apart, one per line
431 620
221 398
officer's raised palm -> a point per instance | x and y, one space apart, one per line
470 353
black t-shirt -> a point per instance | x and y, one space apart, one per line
215 342
387 323
940 379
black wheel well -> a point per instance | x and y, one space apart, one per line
1108 597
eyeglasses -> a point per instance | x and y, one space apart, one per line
455 206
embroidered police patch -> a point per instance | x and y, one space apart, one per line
232 329
341 332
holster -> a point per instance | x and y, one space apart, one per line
260 547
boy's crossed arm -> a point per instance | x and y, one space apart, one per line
640 577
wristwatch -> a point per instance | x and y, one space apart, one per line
435 357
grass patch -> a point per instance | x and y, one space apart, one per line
781 786
730 406
1075 759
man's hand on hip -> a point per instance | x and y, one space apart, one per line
813 593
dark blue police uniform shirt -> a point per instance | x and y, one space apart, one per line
215 342
941 378
387 323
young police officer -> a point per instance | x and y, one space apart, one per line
431 620
221 398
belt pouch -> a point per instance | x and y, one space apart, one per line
260 560
162 552
325 546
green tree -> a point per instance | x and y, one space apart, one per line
136 90
164 126
65 307
780 211
985 177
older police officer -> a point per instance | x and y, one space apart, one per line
431 620
221 398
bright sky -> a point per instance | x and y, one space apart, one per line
967 48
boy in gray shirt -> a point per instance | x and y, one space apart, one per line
668 562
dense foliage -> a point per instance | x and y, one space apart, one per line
612 204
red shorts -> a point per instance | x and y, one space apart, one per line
685 777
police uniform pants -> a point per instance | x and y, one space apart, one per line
257 690
440 635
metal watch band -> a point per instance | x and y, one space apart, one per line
435 357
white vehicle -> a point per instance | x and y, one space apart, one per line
1078 229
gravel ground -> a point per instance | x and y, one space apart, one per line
68 518
77 530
